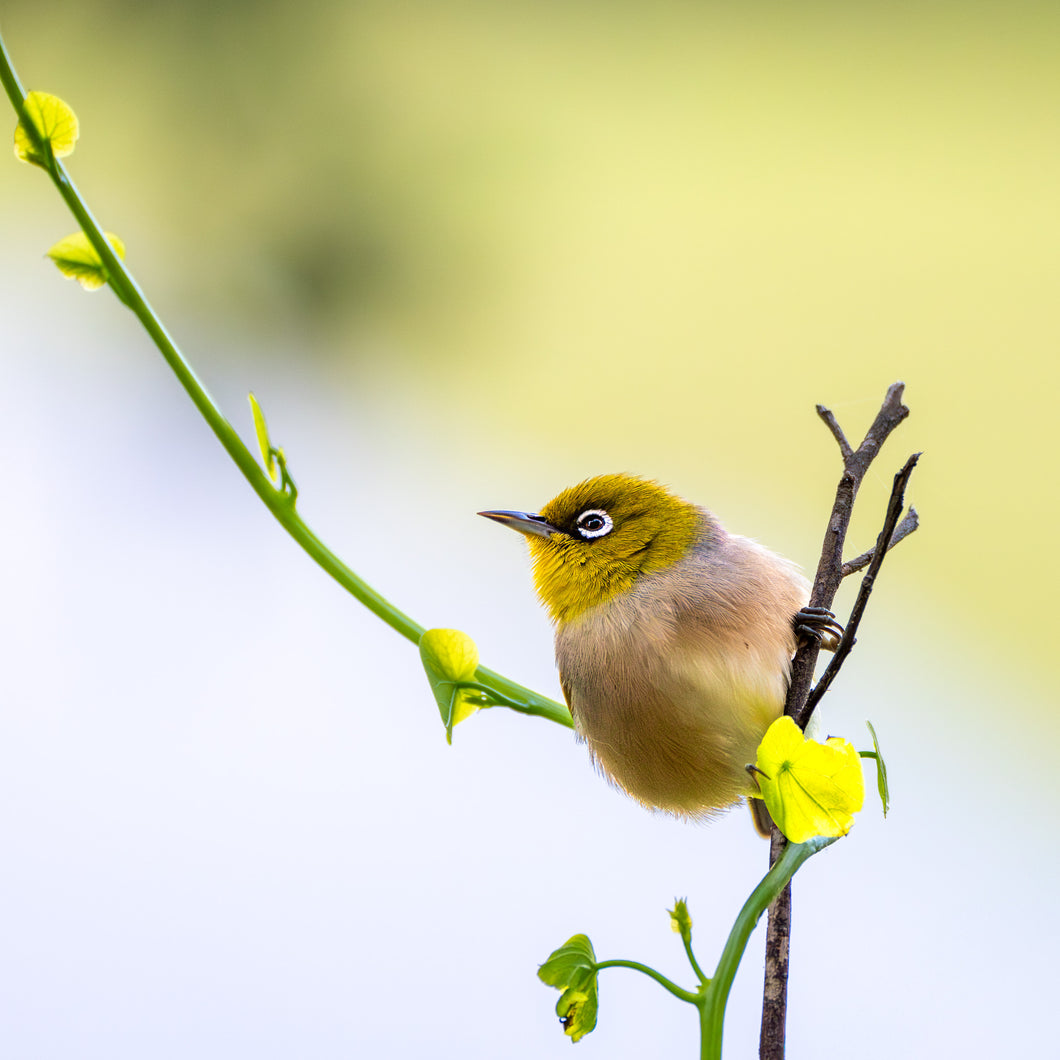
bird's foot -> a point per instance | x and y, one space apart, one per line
819 625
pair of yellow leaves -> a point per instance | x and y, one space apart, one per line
50 125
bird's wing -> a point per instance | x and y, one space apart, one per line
565 685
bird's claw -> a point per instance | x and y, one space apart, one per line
819 625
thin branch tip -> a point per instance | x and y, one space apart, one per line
895 393
907 469
826 414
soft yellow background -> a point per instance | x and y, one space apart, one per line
466 254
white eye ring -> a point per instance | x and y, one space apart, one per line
594 514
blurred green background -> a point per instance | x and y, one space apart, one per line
467 254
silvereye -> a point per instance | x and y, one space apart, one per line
674 638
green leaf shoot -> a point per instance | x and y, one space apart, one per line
272 456
268 457
681 919
881 770
681 922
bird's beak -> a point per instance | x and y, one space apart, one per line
524 522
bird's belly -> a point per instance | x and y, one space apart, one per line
676 728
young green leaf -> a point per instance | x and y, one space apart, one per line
681 919
77 259
262 433
810 789
881 772
450 658
572 969
46 121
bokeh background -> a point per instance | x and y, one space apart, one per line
465 254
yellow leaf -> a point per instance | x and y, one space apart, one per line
810 788
451 657
452 653
262 433
46 119
77 258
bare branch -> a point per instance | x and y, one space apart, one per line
775 986
902 531
855 465
830 573
846 645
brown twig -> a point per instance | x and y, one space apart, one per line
832 423
846 644
830 573
775 986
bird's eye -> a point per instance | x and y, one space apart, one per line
593 523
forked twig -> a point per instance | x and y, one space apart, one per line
846 644
801 701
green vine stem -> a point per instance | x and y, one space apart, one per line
713 994
279 502
700 974
651 973
716 994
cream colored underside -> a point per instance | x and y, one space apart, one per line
673 684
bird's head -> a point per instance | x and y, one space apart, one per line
591 542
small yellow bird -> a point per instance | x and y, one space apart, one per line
674 638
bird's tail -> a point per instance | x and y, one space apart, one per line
760 817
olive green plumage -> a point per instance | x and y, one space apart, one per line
652 530
673 637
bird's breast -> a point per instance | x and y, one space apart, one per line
673 684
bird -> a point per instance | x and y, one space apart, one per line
673 638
